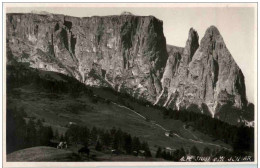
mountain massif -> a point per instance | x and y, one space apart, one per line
129 54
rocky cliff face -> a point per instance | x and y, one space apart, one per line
205 78
129 53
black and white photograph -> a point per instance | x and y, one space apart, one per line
126 83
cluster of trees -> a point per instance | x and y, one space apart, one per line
22 134
240 138
172 156
21 74
176 155
106 139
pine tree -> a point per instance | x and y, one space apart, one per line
136 144
98 146
128 144
31 134
213 152
85 136
164 154
61 138
158 153
93 134
56 134
206 151
106 139
145 147
194 151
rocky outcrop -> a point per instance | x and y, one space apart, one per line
176 78
207 77
129 53
213 70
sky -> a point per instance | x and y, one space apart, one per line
237 26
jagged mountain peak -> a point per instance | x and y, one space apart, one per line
192 45
213 41
205 79
218 79
193 33
212 30
129 54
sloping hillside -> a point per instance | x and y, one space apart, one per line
59 100
42 153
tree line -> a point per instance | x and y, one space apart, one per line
21 74
22 134
241 138
105 140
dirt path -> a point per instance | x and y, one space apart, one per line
164 129
129 109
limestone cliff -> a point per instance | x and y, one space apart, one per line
204 78
129 54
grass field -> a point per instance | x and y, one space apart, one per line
42 153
